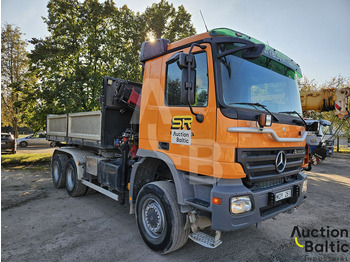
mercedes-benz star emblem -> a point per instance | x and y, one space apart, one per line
281 161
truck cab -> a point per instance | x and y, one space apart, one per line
252 170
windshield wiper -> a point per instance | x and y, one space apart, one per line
251 50
257 104
296 113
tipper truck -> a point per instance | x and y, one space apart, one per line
212 138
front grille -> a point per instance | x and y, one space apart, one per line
259 165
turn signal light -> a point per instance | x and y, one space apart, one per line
265 120
306 157
216 200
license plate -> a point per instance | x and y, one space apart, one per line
282 195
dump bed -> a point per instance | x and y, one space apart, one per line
120 101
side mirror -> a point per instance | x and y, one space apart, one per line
187 64
188 86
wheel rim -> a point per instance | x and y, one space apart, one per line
55 172
153 218
70 177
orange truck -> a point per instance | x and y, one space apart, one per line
212 138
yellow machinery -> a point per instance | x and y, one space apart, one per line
327 100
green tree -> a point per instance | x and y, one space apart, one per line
89 40
162 20
14 69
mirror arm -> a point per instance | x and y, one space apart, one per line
198 45
199 117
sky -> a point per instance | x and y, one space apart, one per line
314 33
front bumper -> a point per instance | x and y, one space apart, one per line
223 220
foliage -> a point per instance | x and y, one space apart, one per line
89 40
14 75
306 85
164 21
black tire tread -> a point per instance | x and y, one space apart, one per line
61 181
180 234
79 189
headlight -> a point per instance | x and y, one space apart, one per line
240 204
304 188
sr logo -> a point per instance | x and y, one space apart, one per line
180 122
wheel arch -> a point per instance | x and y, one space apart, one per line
79 157
142 173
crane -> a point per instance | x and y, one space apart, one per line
325 100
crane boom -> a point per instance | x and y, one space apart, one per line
327 100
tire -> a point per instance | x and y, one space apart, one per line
159 219
58 174
23 144
52 144
74 186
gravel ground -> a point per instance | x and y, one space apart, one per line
40 223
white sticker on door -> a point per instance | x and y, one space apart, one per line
181 137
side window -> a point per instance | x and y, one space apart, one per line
173 83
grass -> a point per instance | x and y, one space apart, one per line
25 159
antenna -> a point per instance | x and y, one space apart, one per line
204 21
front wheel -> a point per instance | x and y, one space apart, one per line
73 184
159 219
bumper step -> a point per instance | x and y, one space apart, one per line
205 240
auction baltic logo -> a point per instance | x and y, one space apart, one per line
324 239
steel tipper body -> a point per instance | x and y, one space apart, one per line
213 139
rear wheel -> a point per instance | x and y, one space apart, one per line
58 175
73 184
52 144
23 144
159 219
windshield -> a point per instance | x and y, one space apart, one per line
260 80
327 130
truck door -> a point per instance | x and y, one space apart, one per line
187 142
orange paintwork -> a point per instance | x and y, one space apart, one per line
188 40
198 157
212 149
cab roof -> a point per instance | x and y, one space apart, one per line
156 48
